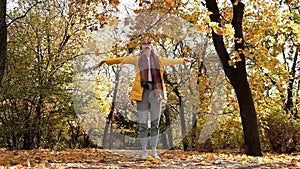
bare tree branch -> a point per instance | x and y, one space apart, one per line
24 15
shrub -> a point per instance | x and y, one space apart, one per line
283 132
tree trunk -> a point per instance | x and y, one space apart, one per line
289 101
169 131
182 116
168 128
3 38
112 109
175 89
111 138
238 76
164 141
26 137
170 138
28 132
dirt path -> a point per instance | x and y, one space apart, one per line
97 158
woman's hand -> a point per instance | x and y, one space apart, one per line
186 60
99 64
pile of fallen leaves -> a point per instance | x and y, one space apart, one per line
97 158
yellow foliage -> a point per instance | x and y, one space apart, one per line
101 89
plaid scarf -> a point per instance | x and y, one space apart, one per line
155 72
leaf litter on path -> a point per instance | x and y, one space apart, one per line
99 158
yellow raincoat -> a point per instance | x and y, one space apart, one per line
137 89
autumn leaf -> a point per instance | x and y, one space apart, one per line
87 158
183 157
91 45
231 63
114 3
200 27
170 3
150 158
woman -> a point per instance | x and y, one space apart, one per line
148 90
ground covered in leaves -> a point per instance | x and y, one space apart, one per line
97 158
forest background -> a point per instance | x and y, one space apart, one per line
52 44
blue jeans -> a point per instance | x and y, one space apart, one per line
149 104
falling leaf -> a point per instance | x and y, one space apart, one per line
230 62
236 2
200 27
91 45
170 3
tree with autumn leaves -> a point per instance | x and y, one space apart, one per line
36 102
257 43
237 74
